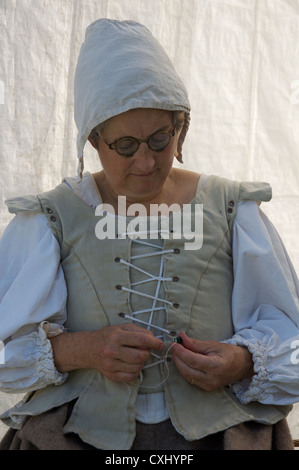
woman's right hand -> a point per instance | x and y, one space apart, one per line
118 352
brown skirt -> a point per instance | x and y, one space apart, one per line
45 432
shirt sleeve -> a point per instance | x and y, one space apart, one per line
265 309
32 304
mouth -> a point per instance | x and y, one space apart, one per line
143 175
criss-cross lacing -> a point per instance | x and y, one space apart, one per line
155 298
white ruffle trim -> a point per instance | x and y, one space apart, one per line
45 368
253 389
43 356
51 329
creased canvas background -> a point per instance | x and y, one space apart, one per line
238 58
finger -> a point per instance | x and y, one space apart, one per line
133 355
208 384
130 354
200 379
188 373
138 337
193 360
187 342
195 345
184 369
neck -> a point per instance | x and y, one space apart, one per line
122 202
179 188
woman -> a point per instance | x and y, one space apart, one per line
128 337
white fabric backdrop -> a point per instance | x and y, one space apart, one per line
238 58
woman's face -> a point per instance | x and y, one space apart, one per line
142 177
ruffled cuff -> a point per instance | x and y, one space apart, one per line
43 355
253 389
51 329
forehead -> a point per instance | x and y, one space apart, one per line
139 121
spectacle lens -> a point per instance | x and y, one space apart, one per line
129 145
159 141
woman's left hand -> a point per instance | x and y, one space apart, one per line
210 364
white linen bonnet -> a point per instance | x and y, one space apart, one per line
121 66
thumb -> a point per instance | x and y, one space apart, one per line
194 345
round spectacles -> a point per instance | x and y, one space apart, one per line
128 146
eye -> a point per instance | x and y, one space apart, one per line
126 146
159 140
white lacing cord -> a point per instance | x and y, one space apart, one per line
150 365
155 298
130 317
142 294
151 276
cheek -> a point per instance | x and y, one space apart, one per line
171 152
115 169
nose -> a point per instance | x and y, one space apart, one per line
144 159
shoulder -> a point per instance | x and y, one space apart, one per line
258 191
184 184
186 176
